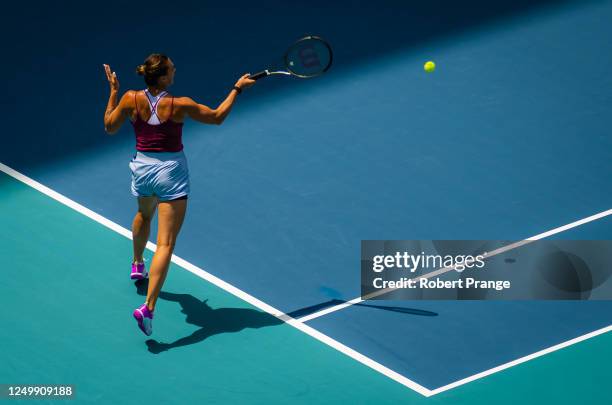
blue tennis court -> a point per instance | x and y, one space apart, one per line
509 138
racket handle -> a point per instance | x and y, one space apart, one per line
259 75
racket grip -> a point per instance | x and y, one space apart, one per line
259 75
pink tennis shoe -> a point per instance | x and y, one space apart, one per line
139 271
144 317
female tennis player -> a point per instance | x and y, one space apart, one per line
160 177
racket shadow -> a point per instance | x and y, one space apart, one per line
319 307
211 321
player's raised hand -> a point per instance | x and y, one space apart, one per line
112 78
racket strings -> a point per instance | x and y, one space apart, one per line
308 57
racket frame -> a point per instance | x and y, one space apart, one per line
289 72
324 42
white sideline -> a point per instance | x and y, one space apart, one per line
222 284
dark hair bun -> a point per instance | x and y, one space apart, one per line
154 67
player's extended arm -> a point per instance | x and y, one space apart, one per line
202 113
205 114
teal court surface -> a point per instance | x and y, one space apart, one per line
508 139
217 347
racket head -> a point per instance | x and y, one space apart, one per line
308 57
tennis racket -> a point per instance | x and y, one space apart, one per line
308 57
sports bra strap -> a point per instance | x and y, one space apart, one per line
136 104
157 99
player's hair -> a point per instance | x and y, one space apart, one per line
154 67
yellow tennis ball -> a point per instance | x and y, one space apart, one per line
429 67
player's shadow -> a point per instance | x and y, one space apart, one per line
211 321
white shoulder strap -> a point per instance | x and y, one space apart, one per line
153 103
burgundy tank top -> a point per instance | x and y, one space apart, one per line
163 137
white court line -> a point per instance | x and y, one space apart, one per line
522 360
222 284
443 270
298 324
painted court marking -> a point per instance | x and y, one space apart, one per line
522 360
222 284
299 323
